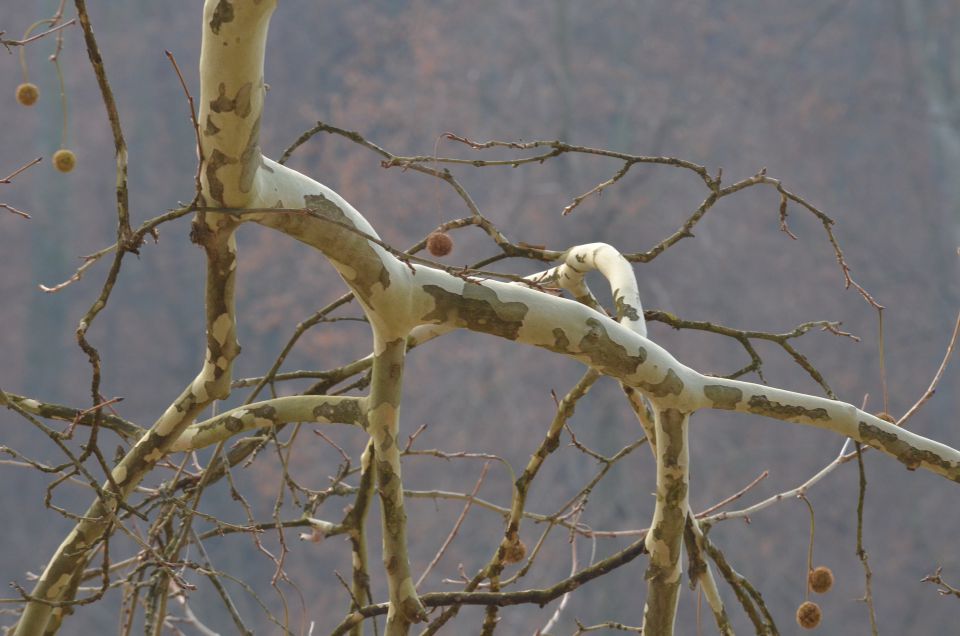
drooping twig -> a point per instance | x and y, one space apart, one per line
861 552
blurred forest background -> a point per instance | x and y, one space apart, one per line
854 104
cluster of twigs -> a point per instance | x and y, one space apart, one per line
165 523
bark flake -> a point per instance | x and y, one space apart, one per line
671 384
605 354
222 14
723 397
623 308
217 160
347 411
239 104
912 458
761 405
477 309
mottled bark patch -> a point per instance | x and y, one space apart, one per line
239 104
760 405
605 354
624 309
672 422
216 161
910 457
211 128
723 397
560 340
221 15
347 412
478 308
364 259
239 421
671 384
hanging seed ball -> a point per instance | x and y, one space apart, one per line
808 615
64 160
28 94
820 579
439 244
886 417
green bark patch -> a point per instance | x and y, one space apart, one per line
671 384
560 340
342 412
760 405
723 397
216 161
477 309
910 457
606 355
239 104
363 258
624 309
221 15
243 421
671 421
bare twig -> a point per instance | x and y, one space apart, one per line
9 178
937 579
456 526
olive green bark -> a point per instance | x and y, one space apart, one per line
232 92
356 520
476 308
761 405
665 537
894 443
723 397
384 415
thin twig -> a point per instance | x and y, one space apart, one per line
456 526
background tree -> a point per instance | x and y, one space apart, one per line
530 222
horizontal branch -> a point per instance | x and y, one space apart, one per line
503 599
323 409
128 430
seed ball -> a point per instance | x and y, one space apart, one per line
439 244
820 579
886 417
808 615
64 160
28 94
